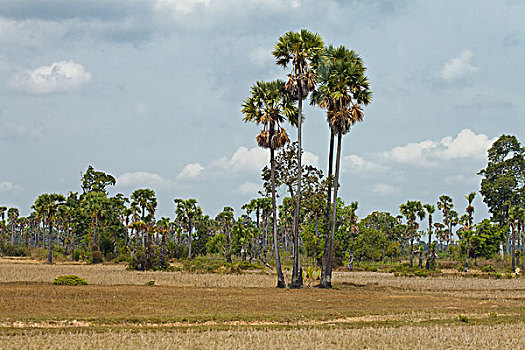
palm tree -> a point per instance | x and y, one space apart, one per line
270 104
46 205
226 219
343 90
412 210
351 227
468 230
445 205
430 210
188 211
300 50
12 215
93 204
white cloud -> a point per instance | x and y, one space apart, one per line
243 160
354 163
6 186
248 188
385 190
310 158
458 68
59 76
191 171
143 179
465 146
180 7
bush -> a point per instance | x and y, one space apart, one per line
463 318
150 283
488 268
97 257
77 253
13 250
70 280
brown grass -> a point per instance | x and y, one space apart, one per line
432 337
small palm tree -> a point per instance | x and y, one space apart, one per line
412 210
188 211
270 105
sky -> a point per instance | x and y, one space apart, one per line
150 92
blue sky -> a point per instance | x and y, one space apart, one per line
150 92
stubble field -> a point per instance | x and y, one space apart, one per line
207 311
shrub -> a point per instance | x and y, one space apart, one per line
150 283
497 276
488 268
463 318
69 280
77 254
97 257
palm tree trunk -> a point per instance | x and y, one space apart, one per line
280 277
50 253
297 275
513 250
190 228
467 247
324 267
328 277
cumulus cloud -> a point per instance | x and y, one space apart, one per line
310 158
191 171
357 164
143 179
57 77
465 146
6 186
458 68
243 160
248 188
384 189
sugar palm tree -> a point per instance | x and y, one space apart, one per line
12 215
299 50
430 210
412 210
468 229
226 219
270 105
46 206
343 90
445 204
188 211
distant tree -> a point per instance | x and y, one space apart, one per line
46 206
93 180
412 210
188 211
226 220
430 210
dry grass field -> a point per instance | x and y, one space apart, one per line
207 311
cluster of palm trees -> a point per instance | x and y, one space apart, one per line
335 80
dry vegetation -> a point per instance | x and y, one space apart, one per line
410 337
245 311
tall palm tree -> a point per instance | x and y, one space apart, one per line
412 210
468 229
226 219
188 211
445 204
300 50
343 90
46 205
430 210
270 105
12 215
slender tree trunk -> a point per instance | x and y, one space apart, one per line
328 278
297 275
427 265
513 250
324 268
72 242
467 247
351 261
228 248
50 237
280 277
189 238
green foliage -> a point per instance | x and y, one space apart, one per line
216 245
69 280
488 268
150 283
486 242
7 249
463 318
